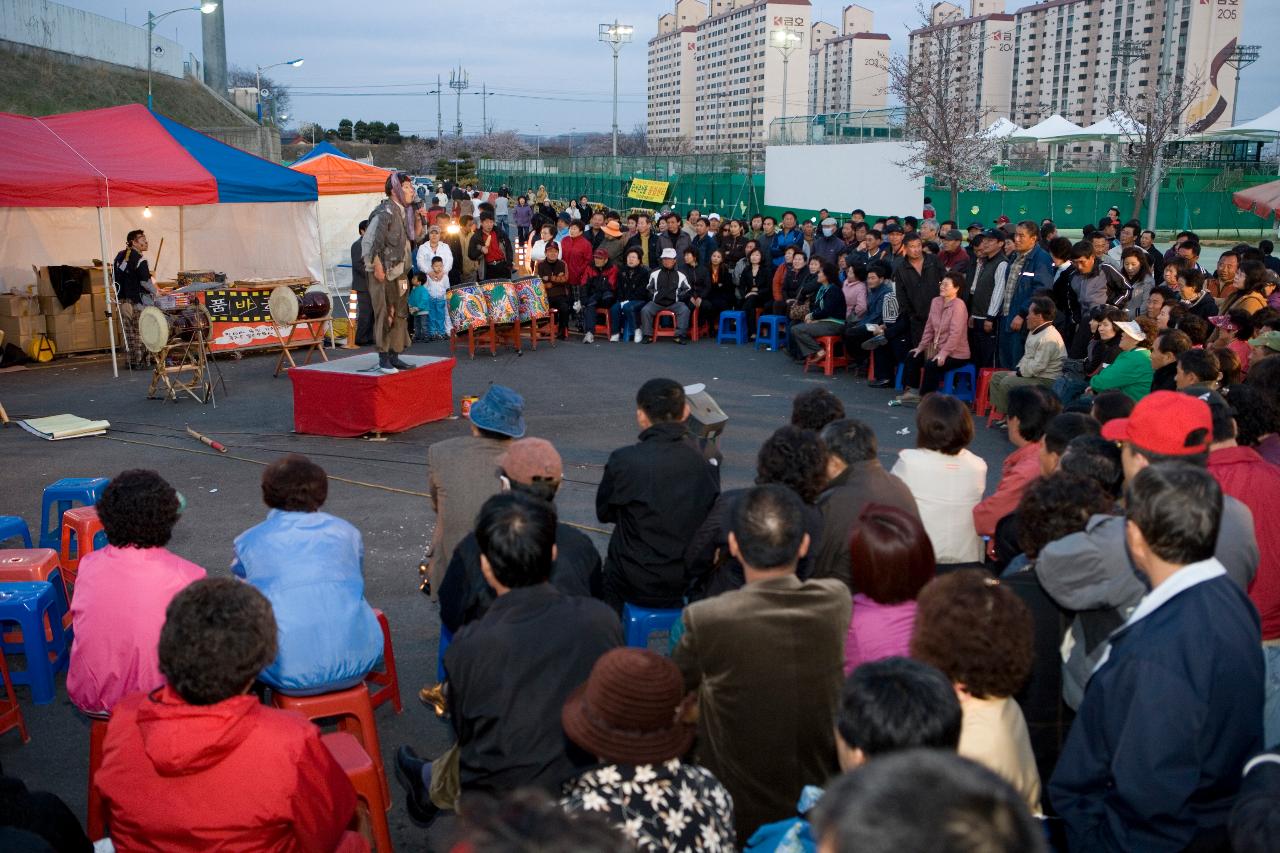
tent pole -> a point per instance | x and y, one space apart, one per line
331 287
182 240
109 289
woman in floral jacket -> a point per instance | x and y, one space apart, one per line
633 714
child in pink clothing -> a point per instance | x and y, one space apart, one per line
122 591
890 561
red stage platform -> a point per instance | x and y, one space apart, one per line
349 397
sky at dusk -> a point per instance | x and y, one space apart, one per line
539 58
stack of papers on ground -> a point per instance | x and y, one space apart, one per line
58 427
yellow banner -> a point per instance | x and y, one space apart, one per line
655 191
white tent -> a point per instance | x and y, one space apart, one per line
1000 129
1116 126
1053 129
1261 128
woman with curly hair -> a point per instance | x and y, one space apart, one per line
122 590
791 457
979 634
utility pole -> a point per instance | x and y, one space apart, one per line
459 82
786 41
439 114
615 35
484 108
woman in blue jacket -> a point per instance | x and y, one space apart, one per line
825 317
310 566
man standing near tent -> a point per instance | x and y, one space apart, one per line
360 284
133 280
386 251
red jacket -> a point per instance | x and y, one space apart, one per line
1020 468
576 254
1246 476
237 777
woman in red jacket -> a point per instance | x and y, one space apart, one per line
575 251
200 764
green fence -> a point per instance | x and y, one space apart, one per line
733 185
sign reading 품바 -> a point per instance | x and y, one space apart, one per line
645 190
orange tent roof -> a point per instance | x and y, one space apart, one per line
342 175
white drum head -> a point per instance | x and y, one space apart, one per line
153 328
284 305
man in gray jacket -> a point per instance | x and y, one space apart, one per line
1092 574
386 249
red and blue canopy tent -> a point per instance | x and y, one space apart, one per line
73 185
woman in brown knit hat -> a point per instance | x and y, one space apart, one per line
633 713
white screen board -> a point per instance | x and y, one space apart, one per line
843 177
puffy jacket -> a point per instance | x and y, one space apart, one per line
601 283
1131 373
633 283
781 240
309 565
236 776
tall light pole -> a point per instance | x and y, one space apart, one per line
153 19
459 82
1242 57
1164 77
258 80
615 35
787 41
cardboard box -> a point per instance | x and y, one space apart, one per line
18 306
102 335
99 301
72 333
21 327
97 280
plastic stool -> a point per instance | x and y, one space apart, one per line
81 533
897 378
10 712
607 329
733 328
777 326
35 564
982 398
62 495
828 358
354 712
642 624
446 637
47 647
363 773
384 684
950 382
697 324
11 526
96 818
660 331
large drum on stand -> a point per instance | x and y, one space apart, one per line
158 328
532 296
287 308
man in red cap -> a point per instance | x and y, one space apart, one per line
1092 573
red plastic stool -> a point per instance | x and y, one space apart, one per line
354 712
828 358
363 773
35 564
385 684
82 523
96 820
607 328
982 399
698 326
660 331
10 712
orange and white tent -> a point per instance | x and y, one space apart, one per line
349 191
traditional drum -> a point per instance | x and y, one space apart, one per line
468 308
532 295
313 305
157 329
501 303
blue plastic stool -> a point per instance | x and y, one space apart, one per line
647 628
737 332
446 637
36 608
777 326
949 383
63 495
11 526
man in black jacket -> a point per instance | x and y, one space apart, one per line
360 284
657 493
646 240
988 270
917 275
492 247
511 671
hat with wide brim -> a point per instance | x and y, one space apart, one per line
627 712
500 410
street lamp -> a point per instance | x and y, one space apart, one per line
1242 57
258 79
153 19
615 35
787 41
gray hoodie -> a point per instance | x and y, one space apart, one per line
1092 574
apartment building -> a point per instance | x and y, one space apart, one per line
1077 57
846 71
977 52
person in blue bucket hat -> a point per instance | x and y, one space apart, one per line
500 410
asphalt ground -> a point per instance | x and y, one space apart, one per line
581 397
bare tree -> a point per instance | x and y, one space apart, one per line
1151 119
935 82
669 145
